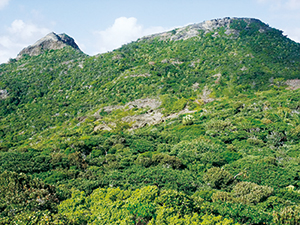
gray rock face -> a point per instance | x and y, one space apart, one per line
293 84
206 26
152 116
139 103
3 94
50 41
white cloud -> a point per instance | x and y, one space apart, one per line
3 3
124 30
26 30
293 33
281 4
293 4
19 35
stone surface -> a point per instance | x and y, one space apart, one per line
3 94
293 84
150 118
104 127
139 103
205 97
206 26
51 41
195 86
153 115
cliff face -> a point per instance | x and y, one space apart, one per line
50 41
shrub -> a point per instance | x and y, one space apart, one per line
217 178
187 120
255 141
211 219
288 215
217 125
247 192
179 201
20 193
222 196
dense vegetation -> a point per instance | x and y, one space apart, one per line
231 158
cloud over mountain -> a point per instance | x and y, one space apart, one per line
18 35
123 30
282 4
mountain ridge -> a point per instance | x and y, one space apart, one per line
192 30
203 117
52 41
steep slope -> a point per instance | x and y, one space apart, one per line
250 57
202 114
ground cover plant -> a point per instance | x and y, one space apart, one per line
197 131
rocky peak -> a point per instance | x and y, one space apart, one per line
51 41
206 26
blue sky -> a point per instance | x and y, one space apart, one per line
103 25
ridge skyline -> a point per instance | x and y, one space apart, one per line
206 25
100 26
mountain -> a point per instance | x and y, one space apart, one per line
51 41
196 125
209 26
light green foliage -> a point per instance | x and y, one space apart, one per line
217 178
288 215
245 132
217 125
167 216
187 120
172 104
75 208
142 206
244 192
295 132
247 192
111 206
222 196
38 218
181 203
216 220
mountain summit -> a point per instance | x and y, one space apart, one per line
51 41
231 26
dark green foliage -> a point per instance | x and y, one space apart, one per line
217 178
66 121
24 162
20 193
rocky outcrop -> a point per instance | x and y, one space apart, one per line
152 116
104 126
206 26
139 103
51 41
3 94
293 84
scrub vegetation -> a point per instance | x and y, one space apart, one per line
222 147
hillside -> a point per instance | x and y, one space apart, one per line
191 126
